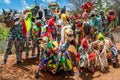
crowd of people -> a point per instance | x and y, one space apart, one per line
82 40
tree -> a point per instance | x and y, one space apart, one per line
99 4
77 3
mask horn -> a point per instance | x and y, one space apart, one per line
11 10
4 11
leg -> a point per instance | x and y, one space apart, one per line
33 49
18 53
21 48
9 46
27 44
27 50
38 48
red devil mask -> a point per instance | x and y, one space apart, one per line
85 43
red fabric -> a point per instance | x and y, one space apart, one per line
51 22
49 30
92 56
85 43
77 57
24 28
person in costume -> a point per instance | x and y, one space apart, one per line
52 28
112 48
114 52
39 24
94 21
27 30
83 51
14 37
68 44
28 19
58 28
95 24
78 31
35 40
72 19
112 21
64 18
48 59
104 21
86 28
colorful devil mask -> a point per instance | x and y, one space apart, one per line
64 17
78 24
85 43
84 15
100 37
66 33
111 15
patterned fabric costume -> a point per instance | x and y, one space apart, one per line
14 37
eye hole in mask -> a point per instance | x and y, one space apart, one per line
70 35
101 39
92 15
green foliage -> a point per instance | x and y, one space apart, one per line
3 37
3 33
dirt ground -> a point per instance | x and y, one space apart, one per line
12 71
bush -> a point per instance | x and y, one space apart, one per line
3 33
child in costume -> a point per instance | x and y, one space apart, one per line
48 59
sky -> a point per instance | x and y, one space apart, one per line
23 4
